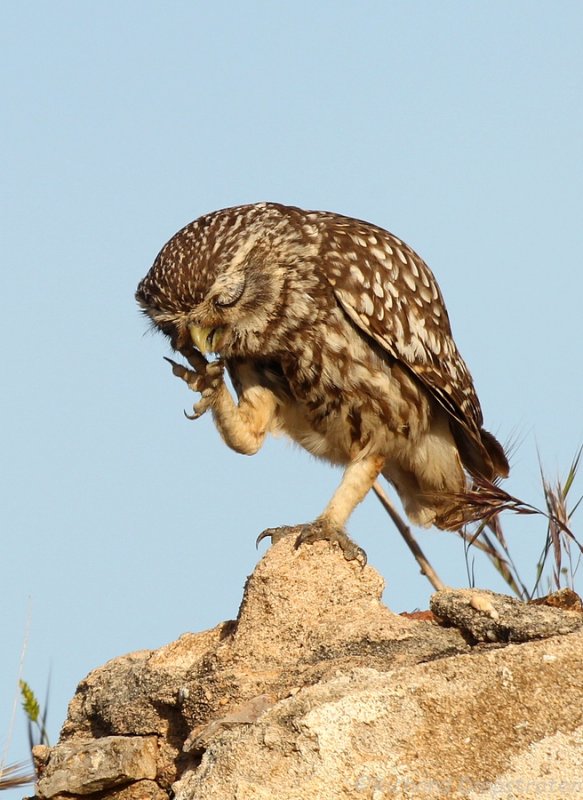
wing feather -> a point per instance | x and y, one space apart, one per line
391 295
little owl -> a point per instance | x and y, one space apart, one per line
334 332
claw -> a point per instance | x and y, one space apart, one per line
205 377
275 534
194 380
321 529
177 369
263 535
203 404
316 531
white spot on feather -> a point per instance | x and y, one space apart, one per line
399 332
376 252
367 305
425 294
401 255
244 249
358 240
357 274
434 343
417 325
409 280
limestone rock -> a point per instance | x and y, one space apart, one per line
317 690
490 617
436 731
85 767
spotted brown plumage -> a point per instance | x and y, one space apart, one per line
335 333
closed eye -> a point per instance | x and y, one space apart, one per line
229 295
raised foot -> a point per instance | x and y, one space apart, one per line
319 530
205 377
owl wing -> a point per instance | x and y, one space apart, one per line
390 294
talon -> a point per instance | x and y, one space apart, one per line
315 532
198 411
204 403
192 379
275 534
263 535
323 530
177 369
205 378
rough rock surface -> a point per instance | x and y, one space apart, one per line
90 766
317 690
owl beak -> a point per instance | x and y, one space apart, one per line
207 340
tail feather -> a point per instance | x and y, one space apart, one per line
481 453
449 476
496 453
482 501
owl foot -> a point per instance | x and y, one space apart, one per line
317 531
321 529
191 378
213 380
207 379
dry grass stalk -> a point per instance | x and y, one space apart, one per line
410 541
482 505
13 776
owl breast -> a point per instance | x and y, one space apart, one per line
345 400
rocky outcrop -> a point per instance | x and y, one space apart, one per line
317 690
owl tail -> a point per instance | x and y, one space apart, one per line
482 501
481 453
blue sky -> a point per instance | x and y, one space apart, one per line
457 126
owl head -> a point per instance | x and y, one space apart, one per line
219 283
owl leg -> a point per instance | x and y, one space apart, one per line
357 480
242 426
